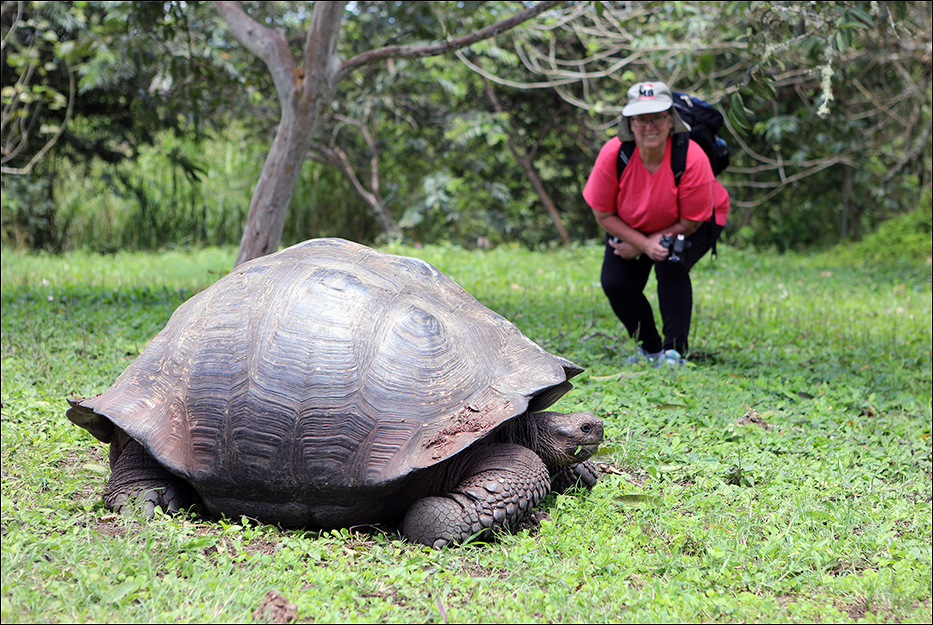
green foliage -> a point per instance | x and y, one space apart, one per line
908 238
27 215
829 137
783 475
38 57
178 192
844 167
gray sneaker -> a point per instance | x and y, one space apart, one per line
640 355
670 358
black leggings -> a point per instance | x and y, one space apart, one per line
624 284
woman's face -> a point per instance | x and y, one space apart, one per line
652 130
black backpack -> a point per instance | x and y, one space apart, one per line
705 122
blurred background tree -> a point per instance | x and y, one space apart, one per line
145 125
137 77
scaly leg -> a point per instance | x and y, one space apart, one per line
503 483
136 476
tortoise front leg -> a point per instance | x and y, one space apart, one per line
136 476
504 482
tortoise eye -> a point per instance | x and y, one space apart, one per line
586 428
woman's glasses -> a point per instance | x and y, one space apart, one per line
656 121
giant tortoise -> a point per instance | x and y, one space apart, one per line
331 385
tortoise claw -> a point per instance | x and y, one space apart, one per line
136 478
583 474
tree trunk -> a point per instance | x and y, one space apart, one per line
265 221
305 98
543 195
846 201
526 162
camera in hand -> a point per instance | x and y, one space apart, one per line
677 245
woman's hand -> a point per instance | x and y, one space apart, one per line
654 249
625 250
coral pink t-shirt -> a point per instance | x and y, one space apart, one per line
652 202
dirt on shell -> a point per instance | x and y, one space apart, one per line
469 420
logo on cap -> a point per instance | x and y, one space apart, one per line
645 90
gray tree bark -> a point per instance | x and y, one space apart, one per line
305 96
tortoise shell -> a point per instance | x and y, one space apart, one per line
313 386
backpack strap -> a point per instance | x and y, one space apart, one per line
625 154
679 144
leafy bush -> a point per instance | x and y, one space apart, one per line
904 238
28 214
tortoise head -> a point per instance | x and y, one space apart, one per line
562 439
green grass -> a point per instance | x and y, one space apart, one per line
784 475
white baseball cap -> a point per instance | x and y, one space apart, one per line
645 98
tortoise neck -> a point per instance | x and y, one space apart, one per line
526 430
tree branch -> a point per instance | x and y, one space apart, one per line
335 157
321 62
14 24
525 158
265 43
913 154
420 51
48 145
